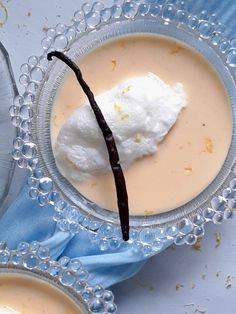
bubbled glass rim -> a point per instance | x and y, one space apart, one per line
101 224
67 275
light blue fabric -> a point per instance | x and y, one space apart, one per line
25 220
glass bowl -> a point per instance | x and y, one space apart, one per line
67 275
93 25
8 91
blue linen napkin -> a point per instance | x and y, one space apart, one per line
25 220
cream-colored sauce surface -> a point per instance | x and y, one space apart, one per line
191 154
32 296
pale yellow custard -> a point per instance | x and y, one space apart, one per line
27 295
192 153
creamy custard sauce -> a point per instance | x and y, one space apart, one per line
193 152
31 296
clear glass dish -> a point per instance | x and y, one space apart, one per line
67 275
8 92
92 26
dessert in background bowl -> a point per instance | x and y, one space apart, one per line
101 31
31 282
32 295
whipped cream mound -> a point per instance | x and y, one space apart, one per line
140 111
7 310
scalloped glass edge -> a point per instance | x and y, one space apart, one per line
146 241
67 273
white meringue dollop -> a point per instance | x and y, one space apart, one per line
140 112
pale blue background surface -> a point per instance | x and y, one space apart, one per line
153 290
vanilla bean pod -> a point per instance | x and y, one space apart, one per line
121 191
